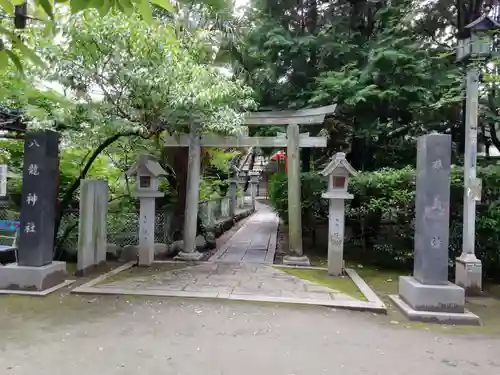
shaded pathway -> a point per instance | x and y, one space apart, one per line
254 242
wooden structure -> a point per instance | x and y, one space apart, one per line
292 141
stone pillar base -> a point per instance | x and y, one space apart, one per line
438 298
146 256
191 256
468 274
335 267
293 260
433 303
16 277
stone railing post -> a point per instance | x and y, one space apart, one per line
233 188
254 181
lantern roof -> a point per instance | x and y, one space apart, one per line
483 23
149 163
338 161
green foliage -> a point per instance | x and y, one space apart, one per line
210 188
383 63
220 158
11 46
381 215
314 208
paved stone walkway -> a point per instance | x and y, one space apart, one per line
229 280
255 242
242 269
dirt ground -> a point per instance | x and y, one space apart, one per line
76 335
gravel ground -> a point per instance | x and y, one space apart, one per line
111 335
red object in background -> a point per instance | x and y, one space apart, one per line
280 156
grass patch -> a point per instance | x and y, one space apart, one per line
385 282
136 271
343 284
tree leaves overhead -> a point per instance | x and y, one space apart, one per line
49 9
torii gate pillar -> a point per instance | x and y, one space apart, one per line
296 255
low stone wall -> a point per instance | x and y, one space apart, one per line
204 242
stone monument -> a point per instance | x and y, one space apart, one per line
428 295
35 269
338 172
147 170
92 226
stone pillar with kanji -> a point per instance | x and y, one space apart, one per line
35 269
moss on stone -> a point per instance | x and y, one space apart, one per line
343 284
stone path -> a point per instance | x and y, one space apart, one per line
242 269
228 280
255 242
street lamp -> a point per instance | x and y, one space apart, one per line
468 270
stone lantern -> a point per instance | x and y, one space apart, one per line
147 172
479 44
338 171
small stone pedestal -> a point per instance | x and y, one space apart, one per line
16 277
190 256
291 260
428 295
468 274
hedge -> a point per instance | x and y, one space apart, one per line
380 218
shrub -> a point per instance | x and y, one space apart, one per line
380 218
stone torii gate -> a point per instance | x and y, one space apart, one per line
293 142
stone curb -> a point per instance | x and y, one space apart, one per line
271 247
41 293
465 318
349 305
368 292
101 278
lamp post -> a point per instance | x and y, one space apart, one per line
468 271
